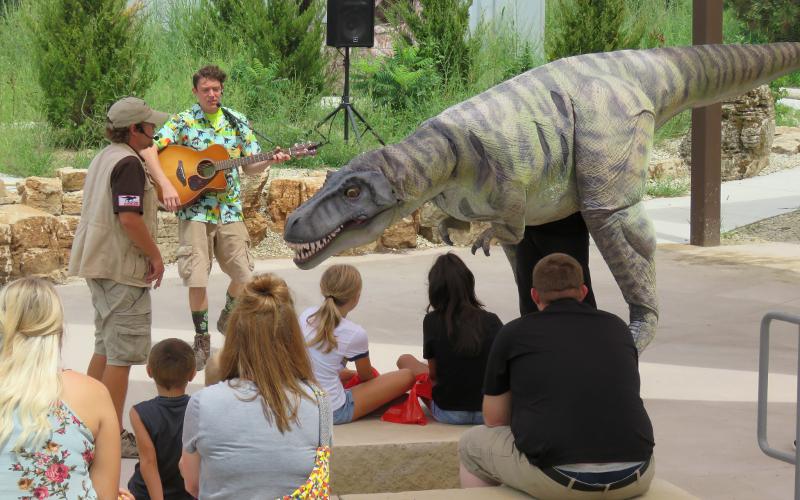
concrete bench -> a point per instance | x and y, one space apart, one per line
659 490
380 460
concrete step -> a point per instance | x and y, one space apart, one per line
659 490
371 456
384 461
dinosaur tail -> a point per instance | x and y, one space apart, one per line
678 78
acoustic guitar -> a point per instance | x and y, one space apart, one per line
194 173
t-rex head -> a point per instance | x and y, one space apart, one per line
353 208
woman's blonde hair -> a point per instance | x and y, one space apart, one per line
31 325
264 344
339 284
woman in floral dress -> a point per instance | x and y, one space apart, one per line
59 436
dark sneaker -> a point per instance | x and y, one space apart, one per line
129 449
222 322
202 350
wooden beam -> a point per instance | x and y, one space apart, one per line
706 138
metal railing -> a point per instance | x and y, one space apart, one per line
763 386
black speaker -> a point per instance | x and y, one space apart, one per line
351 23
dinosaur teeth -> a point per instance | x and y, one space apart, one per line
304 251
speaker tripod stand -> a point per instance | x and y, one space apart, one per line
350 112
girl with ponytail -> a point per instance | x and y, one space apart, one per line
59 434
333 340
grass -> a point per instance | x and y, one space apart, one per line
786 116
668 187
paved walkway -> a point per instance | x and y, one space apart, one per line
698 377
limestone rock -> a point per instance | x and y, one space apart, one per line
670 167
6 263
72 179
465 238
787 140
10 199
252 206
37 261
5 234
285 195
748 129
72 202
30 227
402 234
43 193
362 250
167 236
65 230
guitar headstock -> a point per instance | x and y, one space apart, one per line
304 149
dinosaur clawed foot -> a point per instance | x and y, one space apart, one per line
483 241
451 223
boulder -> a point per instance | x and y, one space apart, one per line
72 202
787 140
670 167
253 206
72 179
43 193
285 195
30 227
748 129
37 261
402 234
6 263
167 236
65 230
5 234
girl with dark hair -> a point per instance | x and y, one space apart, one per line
457 336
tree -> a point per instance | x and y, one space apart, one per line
441 30
769 20
89 53
288 33
588 26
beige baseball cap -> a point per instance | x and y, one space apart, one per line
132 110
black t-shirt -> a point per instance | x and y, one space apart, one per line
574 379
459 377
163 419
127 185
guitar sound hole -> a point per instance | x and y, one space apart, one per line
206 170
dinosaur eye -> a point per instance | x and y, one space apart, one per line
352 193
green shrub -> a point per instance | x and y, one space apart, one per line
441 30
769 20
786 116
88 54
399 82
588 26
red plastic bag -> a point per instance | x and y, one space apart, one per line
355 379
410 411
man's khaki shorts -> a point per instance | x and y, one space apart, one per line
199 242
490 454
122 319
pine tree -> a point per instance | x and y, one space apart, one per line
89 54
588 26
769 20
286 32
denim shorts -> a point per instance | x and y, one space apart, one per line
344 414
456 417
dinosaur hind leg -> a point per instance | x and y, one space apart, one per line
626 240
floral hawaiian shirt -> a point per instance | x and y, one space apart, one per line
192 128
57 470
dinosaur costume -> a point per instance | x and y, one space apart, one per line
572 135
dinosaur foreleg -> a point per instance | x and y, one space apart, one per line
627 242
451 223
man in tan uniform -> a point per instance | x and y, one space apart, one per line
115 250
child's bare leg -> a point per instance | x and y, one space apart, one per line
380 390
416 366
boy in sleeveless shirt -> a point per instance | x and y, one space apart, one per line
158 423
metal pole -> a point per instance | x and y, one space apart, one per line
797 431
706 138
346 96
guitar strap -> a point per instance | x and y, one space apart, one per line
237 123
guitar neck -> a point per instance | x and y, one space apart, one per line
246 160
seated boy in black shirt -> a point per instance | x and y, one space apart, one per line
563 414
158 423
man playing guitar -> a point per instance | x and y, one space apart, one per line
212 225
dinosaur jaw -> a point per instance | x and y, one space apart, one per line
353 233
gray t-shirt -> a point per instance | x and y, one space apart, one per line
242 454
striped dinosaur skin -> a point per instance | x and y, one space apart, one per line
575 134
